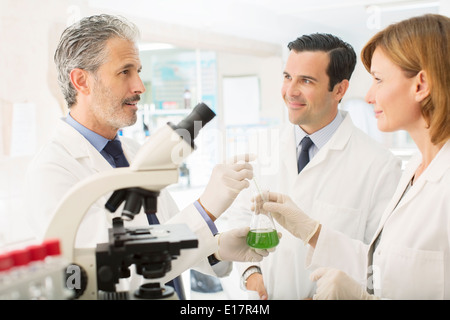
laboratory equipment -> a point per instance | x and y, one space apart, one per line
150 248
34 272
262 234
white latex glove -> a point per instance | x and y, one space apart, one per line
233 247
287 214
334 284
226 181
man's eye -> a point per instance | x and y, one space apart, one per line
125 71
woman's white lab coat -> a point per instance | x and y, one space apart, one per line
412 258
69 158
346 186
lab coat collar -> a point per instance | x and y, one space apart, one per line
435 171
432 174
78 147
288 151
342 135
338 141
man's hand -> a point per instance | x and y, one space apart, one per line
256 283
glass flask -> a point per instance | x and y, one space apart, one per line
262 234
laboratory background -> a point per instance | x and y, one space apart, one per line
228 54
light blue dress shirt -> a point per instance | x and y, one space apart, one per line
95 139
320 137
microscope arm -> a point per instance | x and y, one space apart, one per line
79 199
154 167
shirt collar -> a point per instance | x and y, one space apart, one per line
95 139
320 137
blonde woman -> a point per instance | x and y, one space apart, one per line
409 255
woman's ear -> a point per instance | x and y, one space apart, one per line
422 86
79 79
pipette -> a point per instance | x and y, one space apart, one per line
258 189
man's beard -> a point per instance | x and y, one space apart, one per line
111 109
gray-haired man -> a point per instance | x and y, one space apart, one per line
98 68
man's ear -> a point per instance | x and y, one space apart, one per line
340 89
79 79
422 86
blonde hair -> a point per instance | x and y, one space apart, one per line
421 43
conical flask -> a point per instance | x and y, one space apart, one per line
262 234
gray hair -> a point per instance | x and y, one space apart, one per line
82 45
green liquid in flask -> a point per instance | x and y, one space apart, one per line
262 238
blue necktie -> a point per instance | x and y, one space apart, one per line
114 148
303 158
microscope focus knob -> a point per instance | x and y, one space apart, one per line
105 274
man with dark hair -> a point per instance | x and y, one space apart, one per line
341 54
329 168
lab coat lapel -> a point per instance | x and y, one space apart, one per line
289 154
98 162
80 148
402 185
432 174
337 142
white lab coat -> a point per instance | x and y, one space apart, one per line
345 186
412 258
69 158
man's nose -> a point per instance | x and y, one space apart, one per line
138 86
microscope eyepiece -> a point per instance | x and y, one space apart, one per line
192 124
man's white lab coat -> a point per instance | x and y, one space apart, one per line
346 186
69 158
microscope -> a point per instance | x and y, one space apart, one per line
149 248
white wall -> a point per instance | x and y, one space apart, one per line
268 69
28 37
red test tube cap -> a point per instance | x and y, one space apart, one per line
6 262
21 257
52 247
38 252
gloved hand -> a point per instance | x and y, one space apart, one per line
233 247
334 284
226 181
287 214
